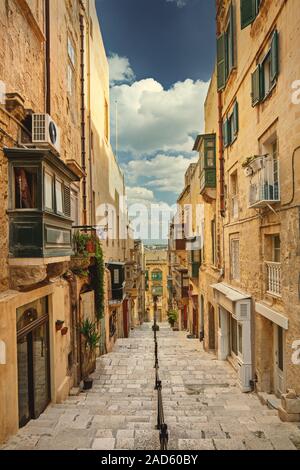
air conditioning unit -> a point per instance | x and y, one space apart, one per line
248 171
243 310
45 131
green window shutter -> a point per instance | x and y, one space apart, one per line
248 12
275 56
225 133
221 62
256 86
230 41
236 118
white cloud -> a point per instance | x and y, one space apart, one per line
139 194
164 173
179 3
152 119
119 69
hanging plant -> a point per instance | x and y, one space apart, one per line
97 281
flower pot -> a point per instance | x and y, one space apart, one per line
59 325
87 383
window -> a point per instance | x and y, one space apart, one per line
226 51
213 242
25 188
71 67
280 348
75 207
59 196
156 276
234 196
235 259
234 336
207 161
276 249
240 339
249 11
275 163
49 182
231 126
71 51
116 276
265 76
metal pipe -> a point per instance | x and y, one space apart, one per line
82 109
47 57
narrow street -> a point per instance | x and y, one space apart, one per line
204 408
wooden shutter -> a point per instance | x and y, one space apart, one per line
230 40
225 133
248 12
235 118
67 201
256 86
221 62
274 56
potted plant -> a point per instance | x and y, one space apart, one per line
91 341
172 317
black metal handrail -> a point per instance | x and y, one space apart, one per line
161 425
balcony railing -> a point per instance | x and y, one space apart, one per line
264 185
274 278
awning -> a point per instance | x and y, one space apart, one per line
233 295
272 315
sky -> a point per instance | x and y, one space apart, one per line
161 55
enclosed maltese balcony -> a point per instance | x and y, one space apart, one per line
264 181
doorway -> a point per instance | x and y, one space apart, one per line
211 328
279 376
33 360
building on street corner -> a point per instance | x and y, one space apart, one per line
246 179
65 235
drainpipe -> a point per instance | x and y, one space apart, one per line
82 109
221 156
47 58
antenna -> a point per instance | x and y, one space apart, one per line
116 102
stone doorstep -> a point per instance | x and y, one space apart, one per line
291 405
288 417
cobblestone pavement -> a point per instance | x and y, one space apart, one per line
204 408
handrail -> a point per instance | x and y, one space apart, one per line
161 425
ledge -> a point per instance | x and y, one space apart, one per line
23 262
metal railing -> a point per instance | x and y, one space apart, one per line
274 278
161 425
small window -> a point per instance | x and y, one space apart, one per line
276 249
75 207
59 197
49 180
25 188
71 51
240 337
116 276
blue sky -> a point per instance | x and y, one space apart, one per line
161 55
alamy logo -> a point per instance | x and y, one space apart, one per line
296 354
296 93
2 92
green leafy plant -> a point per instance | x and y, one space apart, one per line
172 317
89 332
97 280
80 241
